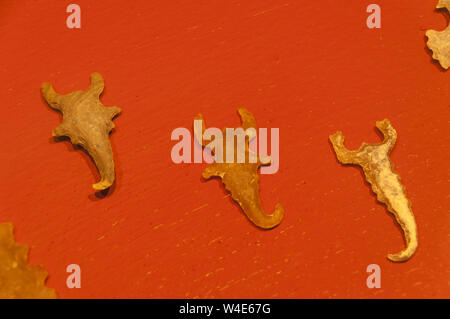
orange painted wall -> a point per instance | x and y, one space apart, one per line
307 67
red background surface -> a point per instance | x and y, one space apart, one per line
307 67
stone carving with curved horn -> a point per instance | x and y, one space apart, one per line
241 179
379 172
87 123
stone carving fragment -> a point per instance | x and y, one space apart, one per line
379 172
87 123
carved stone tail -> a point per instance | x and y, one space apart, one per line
410 230
262 220
406 254
378 171
104 160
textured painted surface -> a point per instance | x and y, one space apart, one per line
310 67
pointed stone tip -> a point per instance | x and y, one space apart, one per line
398 258
382 123
407 253
336 136
102 185
241 110
45 87
274 220
265 159
443 4
96 75
279 211
9 226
